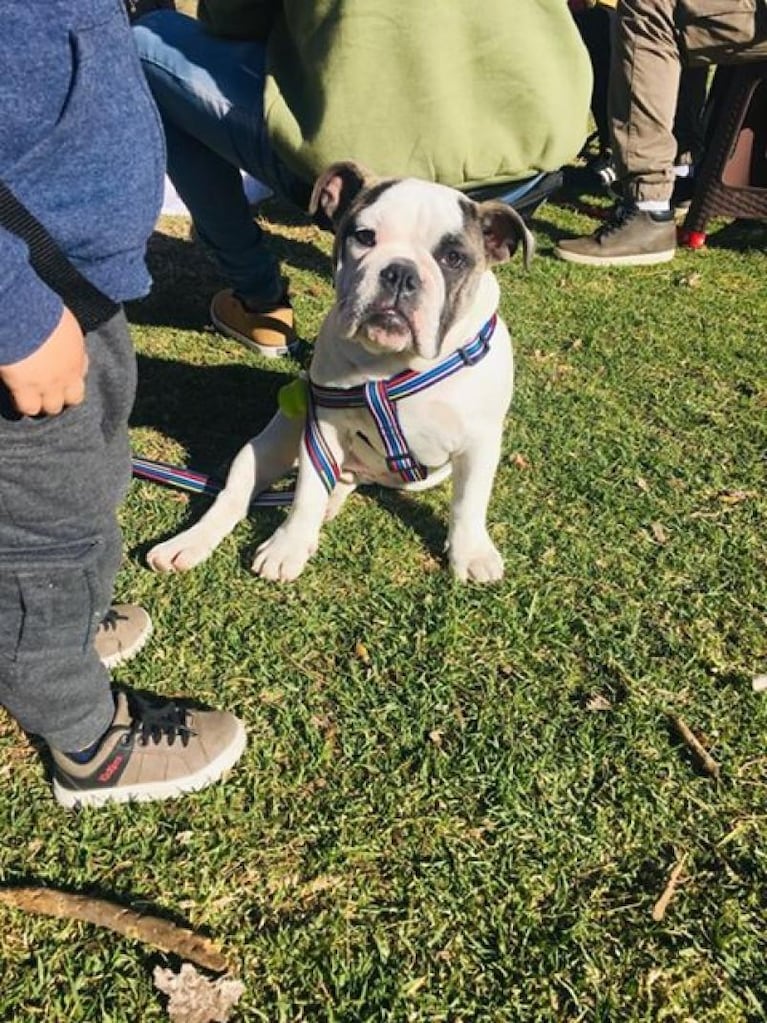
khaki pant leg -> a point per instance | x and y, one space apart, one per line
644 84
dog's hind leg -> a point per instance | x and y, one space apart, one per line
262 461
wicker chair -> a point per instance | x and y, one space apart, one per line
733 176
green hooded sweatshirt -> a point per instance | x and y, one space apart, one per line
464 92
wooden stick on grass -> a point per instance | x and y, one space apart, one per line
660 907
685 733
153 930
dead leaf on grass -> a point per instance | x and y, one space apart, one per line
519 461
597 702
271 697
691 280
659 534
735 496
194 998
414 986
361 652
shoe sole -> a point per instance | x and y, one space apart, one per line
129 652
270 351
147 792
640 259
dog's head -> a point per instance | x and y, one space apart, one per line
409 255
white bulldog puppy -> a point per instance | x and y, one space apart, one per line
410 380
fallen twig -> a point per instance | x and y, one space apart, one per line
153 930
660 907
707 761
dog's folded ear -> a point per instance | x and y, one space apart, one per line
334 191
503 229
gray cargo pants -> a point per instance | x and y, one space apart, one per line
652 40
61 480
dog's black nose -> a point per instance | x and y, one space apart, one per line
400 279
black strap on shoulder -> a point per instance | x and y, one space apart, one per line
89 305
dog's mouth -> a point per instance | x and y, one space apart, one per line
388 328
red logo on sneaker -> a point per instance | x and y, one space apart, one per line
111 767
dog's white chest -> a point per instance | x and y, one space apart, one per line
435 424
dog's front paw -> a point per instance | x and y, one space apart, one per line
478 562
178 554
282 558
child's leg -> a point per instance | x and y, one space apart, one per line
61 480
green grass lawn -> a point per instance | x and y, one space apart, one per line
457 803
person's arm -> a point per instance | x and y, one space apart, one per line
43 361
239 19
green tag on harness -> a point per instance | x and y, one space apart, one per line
293 398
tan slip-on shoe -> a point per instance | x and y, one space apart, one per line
270 333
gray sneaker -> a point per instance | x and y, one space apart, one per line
123 631
632 237
151 751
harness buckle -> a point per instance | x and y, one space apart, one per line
402 462
471 358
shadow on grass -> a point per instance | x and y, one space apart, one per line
418 516
185 279
210 410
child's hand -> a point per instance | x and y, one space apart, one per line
53 376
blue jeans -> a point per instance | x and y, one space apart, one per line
210 93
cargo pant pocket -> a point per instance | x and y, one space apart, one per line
51 600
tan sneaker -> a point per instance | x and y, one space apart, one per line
270 334
632 237
151 751
123 631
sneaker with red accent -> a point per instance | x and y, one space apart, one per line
151 751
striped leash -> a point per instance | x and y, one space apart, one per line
198 483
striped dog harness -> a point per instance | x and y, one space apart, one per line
380 398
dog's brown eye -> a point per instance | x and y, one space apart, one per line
454 259
365 237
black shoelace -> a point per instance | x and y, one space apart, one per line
158 723
621 214
111 618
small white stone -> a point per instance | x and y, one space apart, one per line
759 683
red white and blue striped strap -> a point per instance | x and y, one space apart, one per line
409 381
379 398
319 453
384 413
199 483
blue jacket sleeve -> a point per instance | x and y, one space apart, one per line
30 310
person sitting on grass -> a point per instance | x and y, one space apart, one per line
464 94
